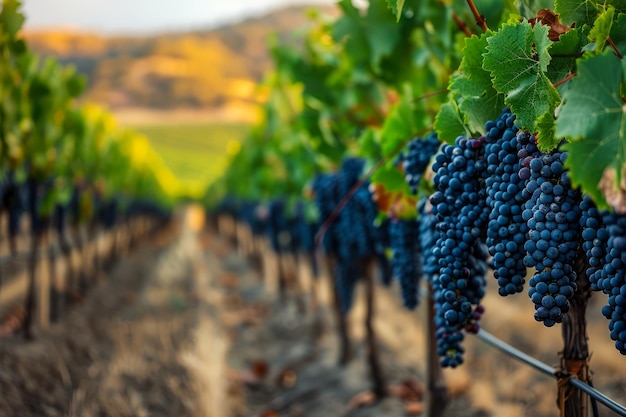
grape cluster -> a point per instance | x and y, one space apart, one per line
278 226
462 214
418 158
428 236
353 235
611 277
552 214
406 260
594 240
15 200
506 232
327 195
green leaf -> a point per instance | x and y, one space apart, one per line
396 7
517 57
381 31
602 29
480 101
403 122
448 123
564 53
368 144
529 8
546 137
11 19
582 12
593 117
391 177
618 33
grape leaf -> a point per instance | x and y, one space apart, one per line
517 58
582 12
529 8
564 53
11 19
405 120
602 28
480 101
618 33
448 123
396 7
593 117
381 31
546 137
391 177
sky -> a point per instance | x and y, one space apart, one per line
145 16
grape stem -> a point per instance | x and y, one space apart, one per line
461 24
480 19
564 80
429 95
617 52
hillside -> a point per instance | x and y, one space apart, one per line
214 70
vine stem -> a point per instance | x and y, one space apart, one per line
429 95
379 387
617 52
564 80
461 24
480 20
575 355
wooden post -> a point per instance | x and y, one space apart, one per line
379 387
575 355
437 394
44 284
345 352
31 294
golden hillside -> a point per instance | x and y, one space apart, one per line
212 69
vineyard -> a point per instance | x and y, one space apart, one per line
424 173
453 147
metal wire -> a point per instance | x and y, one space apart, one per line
548 370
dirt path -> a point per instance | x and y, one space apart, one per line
143 343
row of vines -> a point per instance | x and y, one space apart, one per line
63 165
445 139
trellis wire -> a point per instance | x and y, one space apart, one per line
548 370
515 353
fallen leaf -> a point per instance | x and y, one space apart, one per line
408 390
259 368
362 399
413 408
287 378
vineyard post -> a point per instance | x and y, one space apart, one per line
94 236
55 292
81 248
575 355
345 352
437 393
66 251
32 278
3 219
373 355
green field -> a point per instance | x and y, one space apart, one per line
195 152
